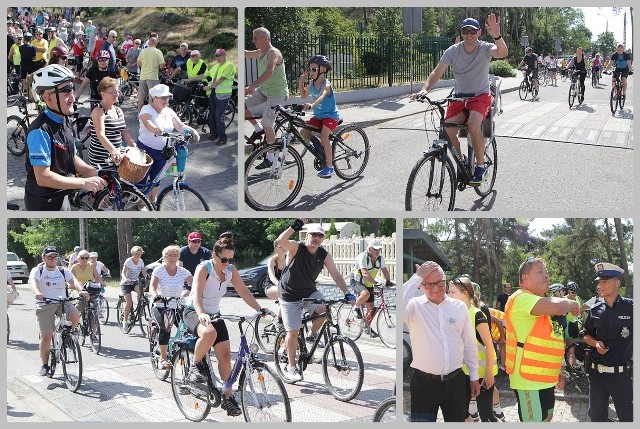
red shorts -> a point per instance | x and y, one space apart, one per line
480 103
326 122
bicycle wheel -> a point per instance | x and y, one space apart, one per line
572 94
131 199
342 368
621 99
120 315
229 113
535 89
350 152
407 355
94 332
71 359
83 326
154 349
262 395
614 99
523 91
193 407
184 112
16 135
431 185
103 309
594 80
386 326
185 199
265 331
144 315
52 358
386 411
274 187
350 326
491 162
280 359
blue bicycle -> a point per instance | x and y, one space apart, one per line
262 393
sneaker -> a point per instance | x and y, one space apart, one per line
125 325
264 164
231 405
499 416
196 375
560 393
479 175
358 311
326 172
44 369
293 374
221 143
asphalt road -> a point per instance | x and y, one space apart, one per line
212 170
119 385
550 157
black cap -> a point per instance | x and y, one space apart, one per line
50 249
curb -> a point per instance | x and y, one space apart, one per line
34 400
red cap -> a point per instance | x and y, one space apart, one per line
195 236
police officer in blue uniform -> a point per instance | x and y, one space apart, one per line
609 332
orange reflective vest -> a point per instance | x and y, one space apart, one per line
495 332
542 349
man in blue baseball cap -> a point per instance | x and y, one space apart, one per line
609 332
470 61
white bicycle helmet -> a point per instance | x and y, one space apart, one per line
556 287
51 76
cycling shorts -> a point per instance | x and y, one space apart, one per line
532 72
191 321
480 103
359 287
535 405
324 122
621 72
128 287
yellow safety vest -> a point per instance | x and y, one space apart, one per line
192 69
495 332
482 350
16 54
52 44
216 71
542 349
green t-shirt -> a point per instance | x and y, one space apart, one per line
571 317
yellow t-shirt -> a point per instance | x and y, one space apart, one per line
150 60
41 44
85 275
523 321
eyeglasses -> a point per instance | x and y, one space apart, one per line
314 69
226 260
63 58
218 55
469 31
115 93
51 258
167 97
172 255
136 43
195 241
83 257
67 89
317 234
103 59
439 283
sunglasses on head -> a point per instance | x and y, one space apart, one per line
225 260
469 31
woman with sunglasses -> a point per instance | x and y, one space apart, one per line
84 271
59 55
94 76
210 283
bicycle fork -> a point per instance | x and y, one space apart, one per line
277 166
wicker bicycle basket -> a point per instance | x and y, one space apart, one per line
131 171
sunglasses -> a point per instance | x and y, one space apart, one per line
64 58
67 89
195 241
469 31
83 257
225 260
314 69
317 234
168 97
103 59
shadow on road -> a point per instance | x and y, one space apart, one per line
311 201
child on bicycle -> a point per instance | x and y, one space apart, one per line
325 111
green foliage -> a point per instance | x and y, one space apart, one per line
332 230
372 61
225 40
331 20
501 68
175 18
387 227
606 44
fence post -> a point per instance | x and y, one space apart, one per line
390 61
324 41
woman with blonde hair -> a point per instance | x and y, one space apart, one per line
130 281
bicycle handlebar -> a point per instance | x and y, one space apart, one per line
61 299
327 302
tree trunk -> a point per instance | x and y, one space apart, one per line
623 258
125 239
458 242
607 239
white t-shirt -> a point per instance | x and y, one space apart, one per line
164 120
99 267
73 259
214 288
133 269
169 285
53 283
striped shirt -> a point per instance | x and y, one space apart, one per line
113 128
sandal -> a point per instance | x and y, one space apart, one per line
165 364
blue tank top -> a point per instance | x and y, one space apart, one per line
328 107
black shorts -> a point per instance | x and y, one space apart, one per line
535 405
191 321
128 287
79 59
621 72
32 203
533 73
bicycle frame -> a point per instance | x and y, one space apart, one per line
293 126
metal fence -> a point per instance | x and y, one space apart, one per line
359 62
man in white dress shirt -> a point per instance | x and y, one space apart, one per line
442 338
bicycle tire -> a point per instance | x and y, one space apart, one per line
94 332
350 152
386 325
192 407
103 309
229 113
563 76
83 326
407 355
188 199
594 80
275 187
621 99
535 90
613 99
491 161
571 367
16 135
132 200
53 360
386 411
421 181
345 364
523 91
183 110
144 314
71 359
120 315
350 326
572 95
280 359
263 397
154 353
265 332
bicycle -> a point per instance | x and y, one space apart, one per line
262 393
102 304
14 90
528 86
17 127
90 323
65 349
140 313
80 125
265 331
340 360
543 75
386 411
595 78
384 313
575 89
564 74
616 99
197 109
407 355
433 180
276 186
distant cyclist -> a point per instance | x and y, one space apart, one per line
579 63
530 59
623 67
130 281
368 264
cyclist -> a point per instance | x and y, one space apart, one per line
579 63
131 273
531 72
108 45
51 162
368 264
596 66
325 110
73 258
470 61
211 280
181 57
59 55
102 268
167 280
553 68
95 74
150 61
275 267
41 45
270 88
84 271
304 260
557 290
50 282
14 52
219 89
54 40
195 68
27 56
79 47
193 253
462 288
621 60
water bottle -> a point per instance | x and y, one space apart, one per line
181 158
173 170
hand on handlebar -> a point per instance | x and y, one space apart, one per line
418 94
94 184
350 297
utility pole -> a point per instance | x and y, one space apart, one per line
84 232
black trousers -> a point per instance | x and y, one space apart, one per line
484 401
428 395
619 387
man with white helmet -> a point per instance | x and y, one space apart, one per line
53 167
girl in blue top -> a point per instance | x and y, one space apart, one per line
325 111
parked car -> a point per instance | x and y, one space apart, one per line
257 278
17 267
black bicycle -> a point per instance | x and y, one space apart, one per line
273 185
140 313
17 127
529 86
616 99
434 179
575 89
342 366
90 323
386 411
195 112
